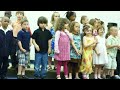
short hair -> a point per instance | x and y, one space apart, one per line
82 18
23 20
21 12
8 12
69 14
92 21
42 19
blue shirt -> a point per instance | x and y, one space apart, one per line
24 37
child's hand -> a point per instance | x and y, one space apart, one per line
49 50
57 51
37 48
23 50
80 52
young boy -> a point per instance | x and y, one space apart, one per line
16 28
112 46
6 38
23 38
42 43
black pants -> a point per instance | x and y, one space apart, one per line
14 59
117 71
3 66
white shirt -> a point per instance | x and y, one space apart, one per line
5 31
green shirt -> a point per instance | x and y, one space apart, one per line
112 41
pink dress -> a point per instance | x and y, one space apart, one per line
62 46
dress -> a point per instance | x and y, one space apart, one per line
102 59
86 64
63 45
77 42
52 42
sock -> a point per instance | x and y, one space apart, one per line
99 76
95 76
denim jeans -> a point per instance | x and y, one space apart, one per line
40 59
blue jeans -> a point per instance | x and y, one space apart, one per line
40 59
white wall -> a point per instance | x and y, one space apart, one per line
106 16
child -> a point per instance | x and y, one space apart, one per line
88 43
6 38
112 46
75 57
100 56
71 16
94 23
42 43
16 28
54 18
23 38
84 20
62 46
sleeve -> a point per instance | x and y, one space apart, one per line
50 36
57 36
108 41
69 34
19 36
34 35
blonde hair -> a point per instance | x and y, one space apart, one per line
52 18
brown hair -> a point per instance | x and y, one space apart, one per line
23 20
82 18
60 23
92 21
20 12
101 27
72 24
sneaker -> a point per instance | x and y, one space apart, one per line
77 78
58 77
24 77
19 76
36 77
107 76
117 77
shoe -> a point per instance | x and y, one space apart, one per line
113 77
117 77
108 77
37 77
24 77
55 68
3 77
58 77
66 77
77 78
49 68
19 76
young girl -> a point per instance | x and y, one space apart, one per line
88 43
100 56
71 16
54 18
62 46
94 23
75 58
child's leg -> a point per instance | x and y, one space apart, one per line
70 69
96 72
99 72
76 71
65 69
55 64
49 63
112 73
44 65
59 64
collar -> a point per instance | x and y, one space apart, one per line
4 29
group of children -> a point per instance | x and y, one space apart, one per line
80 48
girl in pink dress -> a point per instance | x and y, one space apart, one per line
62 46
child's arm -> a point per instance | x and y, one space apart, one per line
72 43
30 41
86 44
57 36
69 34
35 45
20 46
49 46
109 44
81 48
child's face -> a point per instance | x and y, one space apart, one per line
73 17
56 16
25 25
5 22
77 27
42 25
89 31
114 31
66 26
19 16
86 21
101 31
